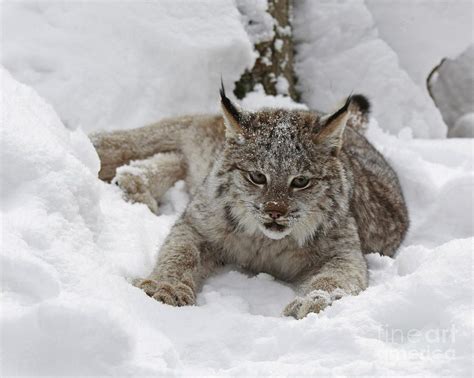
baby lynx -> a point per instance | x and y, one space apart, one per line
299 195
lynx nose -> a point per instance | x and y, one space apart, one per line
274 214
275 209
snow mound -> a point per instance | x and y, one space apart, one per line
61 263
119 66
340 52
423 32
452 87
464 127
257 99
70 244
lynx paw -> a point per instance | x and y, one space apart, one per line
315 301
135 188
174 294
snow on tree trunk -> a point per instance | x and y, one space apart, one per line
268 23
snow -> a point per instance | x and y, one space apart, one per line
71 244
423 32
340 49
437 177
124 66
451 86
464 127
257 21
257 99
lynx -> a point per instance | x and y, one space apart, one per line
297 194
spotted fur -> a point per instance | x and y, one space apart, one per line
313 236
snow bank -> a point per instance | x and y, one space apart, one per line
257 99
423 32
61 262
340 52
70 243
126 65
452 88
115 65
437 177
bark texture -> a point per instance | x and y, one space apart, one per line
273 68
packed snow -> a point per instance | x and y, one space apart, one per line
71 244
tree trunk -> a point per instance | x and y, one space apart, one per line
273 68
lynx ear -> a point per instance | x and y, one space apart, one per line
333 126
232 116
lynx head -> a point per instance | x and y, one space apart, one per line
282 173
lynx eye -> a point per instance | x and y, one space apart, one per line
257 178
300 182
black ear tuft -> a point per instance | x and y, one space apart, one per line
228 105
222 91
340 111
362 103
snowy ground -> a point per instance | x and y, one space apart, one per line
70 244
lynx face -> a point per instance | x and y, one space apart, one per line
284 173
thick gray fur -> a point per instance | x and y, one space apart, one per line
352 205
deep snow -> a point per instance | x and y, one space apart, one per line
70 244
122 64
340 52
108 67
423 32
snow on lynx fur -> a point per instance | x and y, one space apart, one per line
296 194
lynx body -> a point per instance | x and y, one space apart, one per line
296 194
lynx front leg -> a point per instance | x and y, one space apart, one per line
338 277
146 181
183 263
344 273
